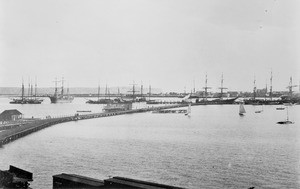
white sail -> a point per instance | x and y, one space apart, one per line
189 109
186 97
188 112
287 121
287 113
261 110
242 109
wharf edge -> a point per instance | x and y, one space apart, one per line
8 136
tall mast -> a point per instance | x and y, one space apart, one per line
133 91
141 89
194 90
105 90
28 87
98 91
271 86
291 86
222 86
149 91
68 91
23 90
55 92
31 90
119 91
205 88
254 89
35 92
62 86
287 113
222 81
266 91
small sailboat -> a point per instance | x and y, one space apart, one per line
242 110
280 108
188 113
259 111
287 121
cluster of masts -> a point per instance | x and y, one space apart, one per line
30 98
206 88
205 92
134 95
134 90
269 93
290 87
62 87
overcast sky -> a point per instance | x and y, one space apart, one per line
167 43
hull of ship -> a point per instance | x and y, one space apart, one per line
263 102
102 101
292 100
253 102
17 102
26 101
61 100
153 102
217 102
224 101
35 102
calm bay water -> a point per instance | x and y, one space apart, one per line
213 148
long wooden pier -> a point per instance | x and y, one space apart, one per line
12 134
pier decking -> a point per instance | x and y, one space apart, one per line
15 133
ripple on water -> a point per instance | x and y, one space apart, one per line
214 148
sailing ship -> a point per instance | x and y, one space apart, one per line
149 101
242 109
142 98
287 121
189 110
280 108
224 101
259 111
205 90
134 97
101 101
61 98
30 99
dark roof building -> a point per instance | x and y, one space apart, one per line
10 115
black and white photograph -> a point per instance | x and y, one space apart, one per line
150 94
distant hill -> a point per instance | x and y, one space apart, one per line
75 90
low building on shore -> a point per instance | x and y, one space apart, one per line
10 115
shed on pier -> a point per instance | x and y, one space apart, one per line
10 115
